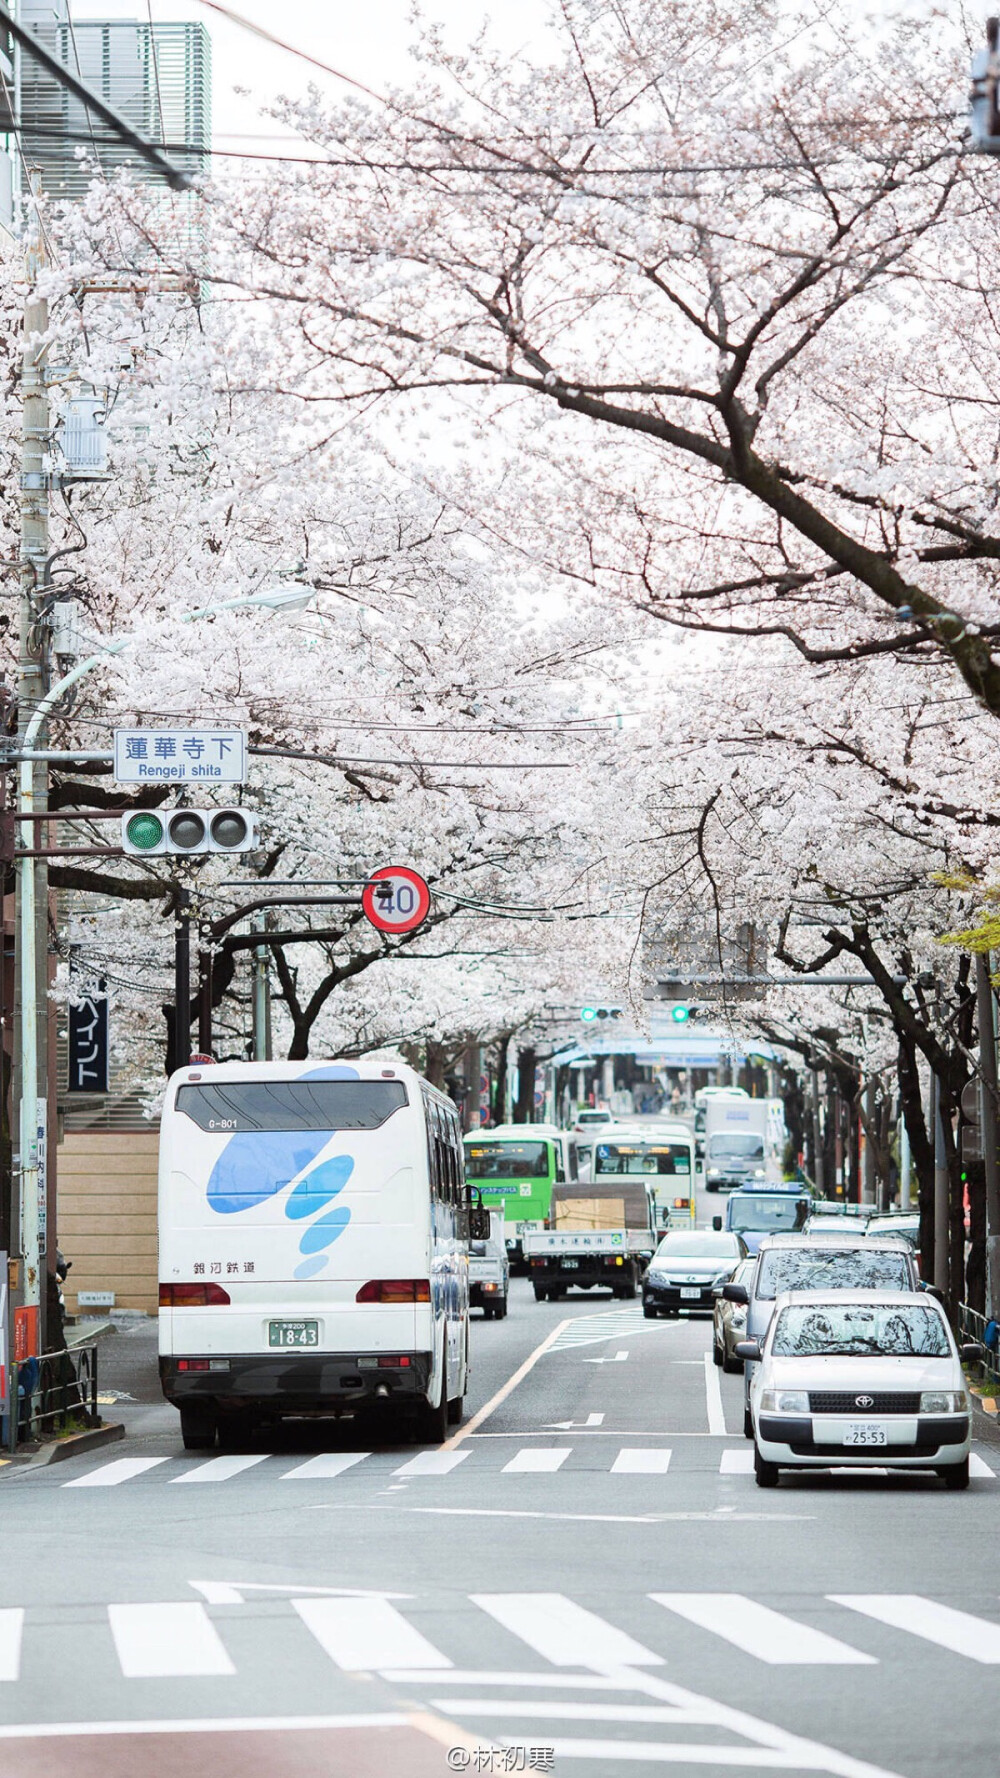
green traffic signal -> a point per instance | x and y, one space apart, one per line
680 1014
144 831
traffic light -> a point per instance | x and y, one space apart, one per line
188 833
680 1014
589 1013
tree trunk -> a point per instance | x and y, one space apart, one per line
524 1110
500 1082
435 1063
921 1149
975 1265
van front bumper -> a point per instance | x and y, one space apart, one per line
913 1441
295 1382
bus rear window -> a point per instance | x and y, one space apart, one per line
665 1161
291 1104
507 1160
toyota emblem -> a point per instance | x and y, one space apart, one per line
864 1401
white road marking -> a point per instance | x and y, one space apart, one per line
573 1712
218 1469
561 1682
759 1631
167 1642
325 1466
615 1358
230 1592
563 1632
11 1625
537 1461
433 1463
204 1725
361 1635
978 1467
505 1389
639 1462
713 1397
959 1631
736 1462
110 1474
586 1425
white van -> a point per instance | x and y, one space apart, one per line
314 1247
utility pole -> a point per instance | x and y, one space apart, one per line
182 979
941 1242
261 992
868 1173
988 1127
31 1006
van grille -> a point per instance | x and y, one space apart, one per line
844 1401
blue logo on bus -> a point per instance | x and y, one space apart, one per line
255 1167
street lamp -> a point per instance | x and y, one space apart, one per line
294 597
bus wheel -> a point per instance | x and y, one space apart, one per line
456 1409
432 1423
198 1426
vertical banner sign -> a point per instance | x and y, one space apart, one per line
25 1335
88 1045
43 1176
4 1336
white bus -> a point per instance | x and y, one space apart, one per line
662 1154
314 1227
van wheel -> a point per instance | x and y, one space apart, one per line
198 1427
717 1354
764 1474
956 1475
733 1366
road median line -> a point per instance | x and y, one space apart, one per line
505 1389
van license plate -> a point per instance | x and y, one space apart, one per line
293 1333
862 1432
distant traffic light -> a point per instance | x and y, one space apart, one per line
589 1013
680 1014
190 833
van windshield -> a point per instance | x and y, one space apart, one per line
234 1105
818 1268
855 1330
770 1214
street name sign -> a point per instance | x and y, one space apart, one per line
180 756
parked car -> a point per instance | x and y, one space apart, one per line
904 1224
688 1270
845 1260
729 1321
858 1378
489 1271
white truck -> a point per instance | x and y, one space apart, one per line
744 1142
602 1238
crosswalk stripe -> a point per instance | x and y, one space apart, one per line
563 1632
759 1631
218 1469
433 1463
111 1474
639 1462
736 1463
528 1710
325 1466
11 1625
167 1642
959 1631
367 1634
977 1466
540 1460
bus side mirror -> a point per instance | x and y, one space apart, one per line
479 1219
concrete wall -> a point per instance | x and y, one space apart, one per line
107 1215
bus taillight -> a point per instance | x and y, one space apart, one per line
193 1296
395 1290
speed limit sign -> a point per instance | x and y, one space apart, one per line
396 899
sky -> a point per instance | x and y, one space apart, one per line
367 41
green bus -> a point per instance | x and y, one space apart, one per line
515 1166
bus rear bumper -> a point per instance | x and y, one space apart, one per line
295 1382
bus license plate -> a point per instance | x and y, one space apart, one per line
293 1333
862 1432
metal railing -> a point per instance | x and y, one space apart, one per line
53 1392
974 1327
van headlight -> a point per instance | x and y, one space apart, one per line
944 1401
784 1401
738 1319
